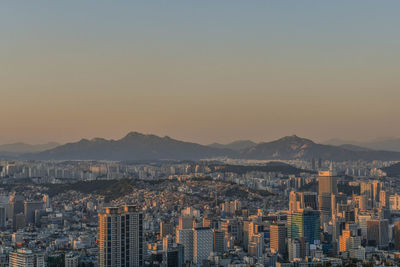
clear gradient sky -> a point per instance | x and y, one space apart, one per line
200 71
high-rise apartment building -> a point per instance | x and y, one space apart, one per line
120 234
185 238
202 244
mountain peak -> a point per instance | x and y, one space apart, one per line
295 138
133 134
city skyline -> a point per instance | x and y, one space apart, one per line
196 71
199 133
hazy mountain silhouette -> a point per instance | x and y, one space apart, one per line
21 148
134 146
236 145
386 143
354 147
294 147
137 146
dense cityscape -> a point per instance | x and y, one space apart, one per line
206 213
199 133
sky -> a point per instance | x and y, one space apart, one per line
202 71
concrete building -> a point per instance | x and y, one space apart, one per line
120 234
26 258
185 238
29 210
71 260
202 244
166 228
278 238
378 233
219 241
304 223
327 190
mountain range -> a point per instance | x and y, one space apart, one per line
386 143
19 148
137 146
134 146
236 146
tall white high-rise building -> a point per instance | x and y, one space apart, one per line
185 238
120 233
202 244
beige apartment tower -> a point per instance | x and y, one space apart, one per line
120 234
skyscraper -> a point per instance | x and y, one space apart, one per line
304 223
278 238
378 233
396 235
302 200
327 190
327 182
376 189
29 210
120 232
16 205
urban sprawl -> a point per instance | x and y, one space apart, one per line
219 212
